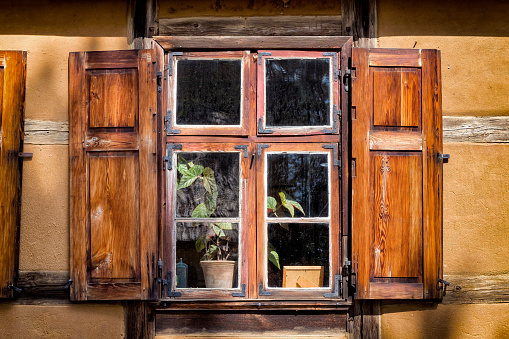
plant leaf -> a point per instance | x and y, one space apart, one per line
182 165
190 176
225 225
201 211
286 204
200 243
209 182
271 205
218 231
295 204
272 255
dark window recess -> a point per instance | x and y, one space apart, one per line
208 92
297 92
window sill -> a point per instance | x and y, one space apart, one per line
251 304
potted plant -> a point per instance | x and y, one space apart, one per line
214 243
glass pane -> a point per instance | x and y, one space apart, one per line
207 185
297 92
208 92
194 242
297 183
298 245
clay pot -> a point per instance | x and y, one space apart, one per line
218 273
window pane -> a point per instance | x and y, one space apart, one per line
208 92
298 245
191 237
207 185
301 180
297 92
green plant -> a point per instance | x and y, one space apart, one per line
272 207
215 241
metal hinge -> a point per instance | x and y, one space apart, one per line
243 147
240 294
335 160
169 286
262 130
25 155
346 79
167 159
338 287
159 82
168 125
260 54
445 283
15 288
334 55
169 66
259 148
336 113
261 291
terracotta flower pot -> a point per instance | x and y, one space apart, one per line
218 273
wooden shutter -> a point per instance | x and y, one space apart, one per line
113 169
12 108
396 173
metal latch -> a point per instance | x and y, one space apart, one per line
25 155
346 79
159 82
15 288
445 283
443 157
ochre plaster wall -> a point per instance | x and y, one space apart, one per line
473 38
48 31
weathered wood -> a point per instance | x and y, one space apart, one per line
12 111
476 289
139 320
251 42
382 140
291 324
141 23
360 21
253 305
44 285
364 319
253 25
476 129
43 132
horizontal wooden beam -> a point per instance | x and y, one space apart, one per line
43 287
43 132
476 129
255 25
251 42
477 289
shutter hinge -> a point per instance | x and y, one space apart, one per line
338 288
259 148
335 160
168 125
167 159
243 147
169 66
335 115
346 79
262 130
159 82
261 291
242 293
169 285
334 55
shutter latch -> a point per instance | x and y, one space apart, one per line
445 283
443 157
15 288
346 79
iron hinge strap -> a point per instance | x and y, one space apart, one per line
262 130
168 125
169 286
338 287
261 291
261 54
169 66
335 160
259 148
243 147
334 56
169 155
335 116
240 294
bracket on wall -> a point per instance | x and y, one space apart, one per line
261 291
262 130
336 113
168 126
259 148
169 155
169 67
334 148
240 294
334 55
338 287
260 54
244 147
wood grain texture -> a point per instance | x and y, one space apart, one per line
12 109
476 289
396 141
360 21
42 132
476 129
253 25
227 42
381 57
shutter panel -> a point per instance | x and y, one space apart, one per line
12 108
113 165
397 174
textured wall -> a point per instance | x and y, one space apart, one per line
473 38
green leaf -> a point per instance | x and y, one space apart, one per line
182 165
201 211
224 225
200 243
272 255
295 204
286 204
271 204
190 176
209 182
219 232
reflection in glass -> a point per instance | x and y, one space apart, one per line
298 244
208 92
207 185
303 178
188 236
297 92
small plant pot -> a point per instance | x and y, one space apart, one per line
218 273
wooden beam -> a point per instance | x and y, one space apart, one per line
359 21
255 25
476 129
139 320
364 319
476 289
251 42
42 132
141 23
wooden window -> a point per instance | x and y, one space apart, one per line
12 109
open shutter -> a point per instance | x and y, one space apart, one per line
12 107
396 173
113 169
